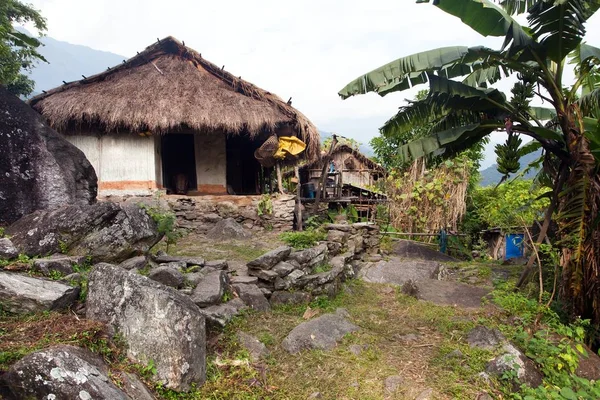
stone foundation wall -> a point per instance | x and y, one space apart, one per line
201 213
321 269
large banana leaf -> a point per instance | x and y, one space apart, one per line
446 96
559 25
486 18
513 7
408 71
446 142
542 113
589 102
586 52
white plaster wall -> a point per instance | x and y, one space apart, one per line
211 159
118 158
125 157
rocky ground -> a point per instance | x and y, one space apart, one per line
412 325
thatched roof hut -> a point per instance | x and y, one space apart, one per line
352 172
169 88
344 149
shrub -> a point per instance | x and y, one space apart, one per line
304 239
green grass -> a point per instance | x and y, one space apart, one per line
382 314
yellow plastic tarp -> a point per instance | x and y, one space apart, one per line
289 145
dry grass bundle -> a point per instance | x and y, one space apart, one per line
426 201
168 87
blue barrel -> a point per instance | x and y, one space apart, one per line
514 246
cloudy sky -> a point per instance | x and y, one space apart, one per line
305 49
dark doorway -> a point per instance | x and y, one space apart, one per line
243 170
179 163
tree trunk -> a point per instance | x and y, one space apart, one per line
578 218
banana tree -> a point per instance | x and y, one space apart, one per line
462 108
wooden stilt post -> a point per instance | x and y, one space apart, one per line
299 221
279 179
321 185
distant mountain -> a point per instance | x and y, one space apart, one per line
67 62
363 148
491 176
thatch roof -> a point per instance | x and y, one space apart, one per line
344 148
168 87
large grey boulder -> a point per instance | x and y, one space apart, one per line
105 231
447 293
398 272
23 294
271 258
228 229
62 372
252 296
167 276
8 251
321 333
210 289
158 323
39 169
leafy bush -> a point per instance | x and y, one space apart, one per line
264 206
556 348
166 223
304 239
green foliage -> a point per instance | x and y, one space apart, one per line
386 146
166 223
1 231
147 371
22 258
145 271
18 51
509 205
352 213
303 239
326 144
265 205
63 247
322 268
55 275
556 348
